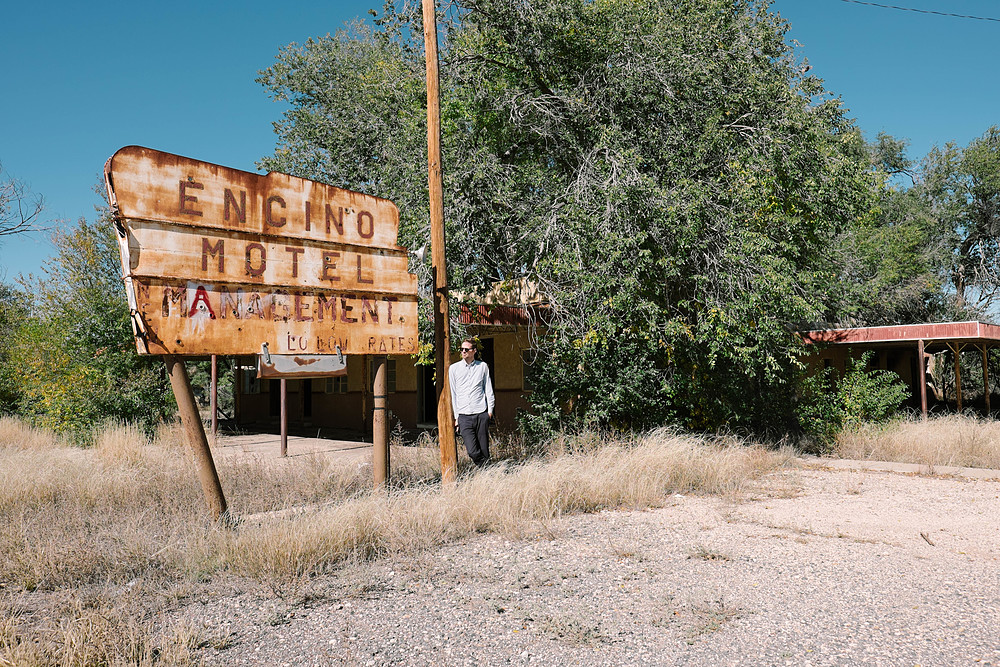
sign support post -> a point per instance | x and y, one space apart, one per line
380 427
442 335
214 400
284 416
194 430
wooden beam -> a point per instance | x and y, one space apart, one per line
956 348
986 377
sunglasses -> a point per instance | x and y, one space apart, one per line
468 349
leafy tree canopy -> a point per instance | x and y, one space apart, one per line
930 250
667 172
961 187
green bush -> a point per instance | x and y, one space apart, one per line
70 358
828 406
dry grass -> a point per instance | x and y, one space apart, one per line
508 499
17 434
104 539
952 440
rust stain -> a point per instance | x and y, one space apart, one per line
218 261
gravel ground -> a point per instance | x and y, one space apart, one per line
814 567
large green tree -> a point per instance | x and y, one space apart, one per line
20 212
12 313
930 251
962 191
74 351
667 172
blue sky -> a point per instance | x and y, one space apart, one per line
84 79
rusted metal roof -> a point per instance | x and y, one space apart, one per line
970 332
487 315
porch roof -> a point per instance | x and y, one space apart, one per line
940 333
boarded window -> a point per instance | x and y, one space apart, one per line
251 383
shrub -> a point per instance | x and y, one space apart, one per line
862 395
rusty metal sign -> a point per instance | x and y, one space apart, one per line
300 365
220 261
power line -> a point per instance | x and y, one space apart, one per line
923 11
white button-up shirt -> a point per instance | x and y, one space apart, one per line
471 390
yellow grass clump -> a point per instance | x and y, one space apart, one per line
15 433
951 440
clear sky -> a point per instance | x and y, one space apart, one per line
84 79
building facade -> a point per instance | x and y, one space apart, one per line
344 404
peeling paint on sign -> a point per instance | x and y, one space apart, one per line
220 261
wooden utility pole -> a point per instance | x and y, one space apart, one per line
195 432
442 336
215 395
380 427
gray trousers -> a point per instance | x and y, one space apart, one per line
475 432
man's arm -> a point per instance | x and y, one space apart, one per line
451 390
488 389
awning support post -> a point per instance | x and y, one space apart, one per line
957 349
922 375
986 377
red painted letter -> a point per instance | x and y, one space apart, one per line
256 271
185 197
361 225
269 211
241 208
295 259
217 250
329 264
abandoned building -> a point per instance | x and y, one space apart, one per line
914 352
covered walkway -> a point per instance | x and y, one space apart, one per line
922 340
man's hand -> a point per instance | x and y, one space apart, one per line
456 422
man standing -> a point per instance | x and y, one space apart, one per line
472 399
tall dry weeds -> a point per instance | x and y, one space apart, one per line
121 524
950 440
508 499
18 434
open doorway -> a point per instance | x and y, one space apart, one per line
426 397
